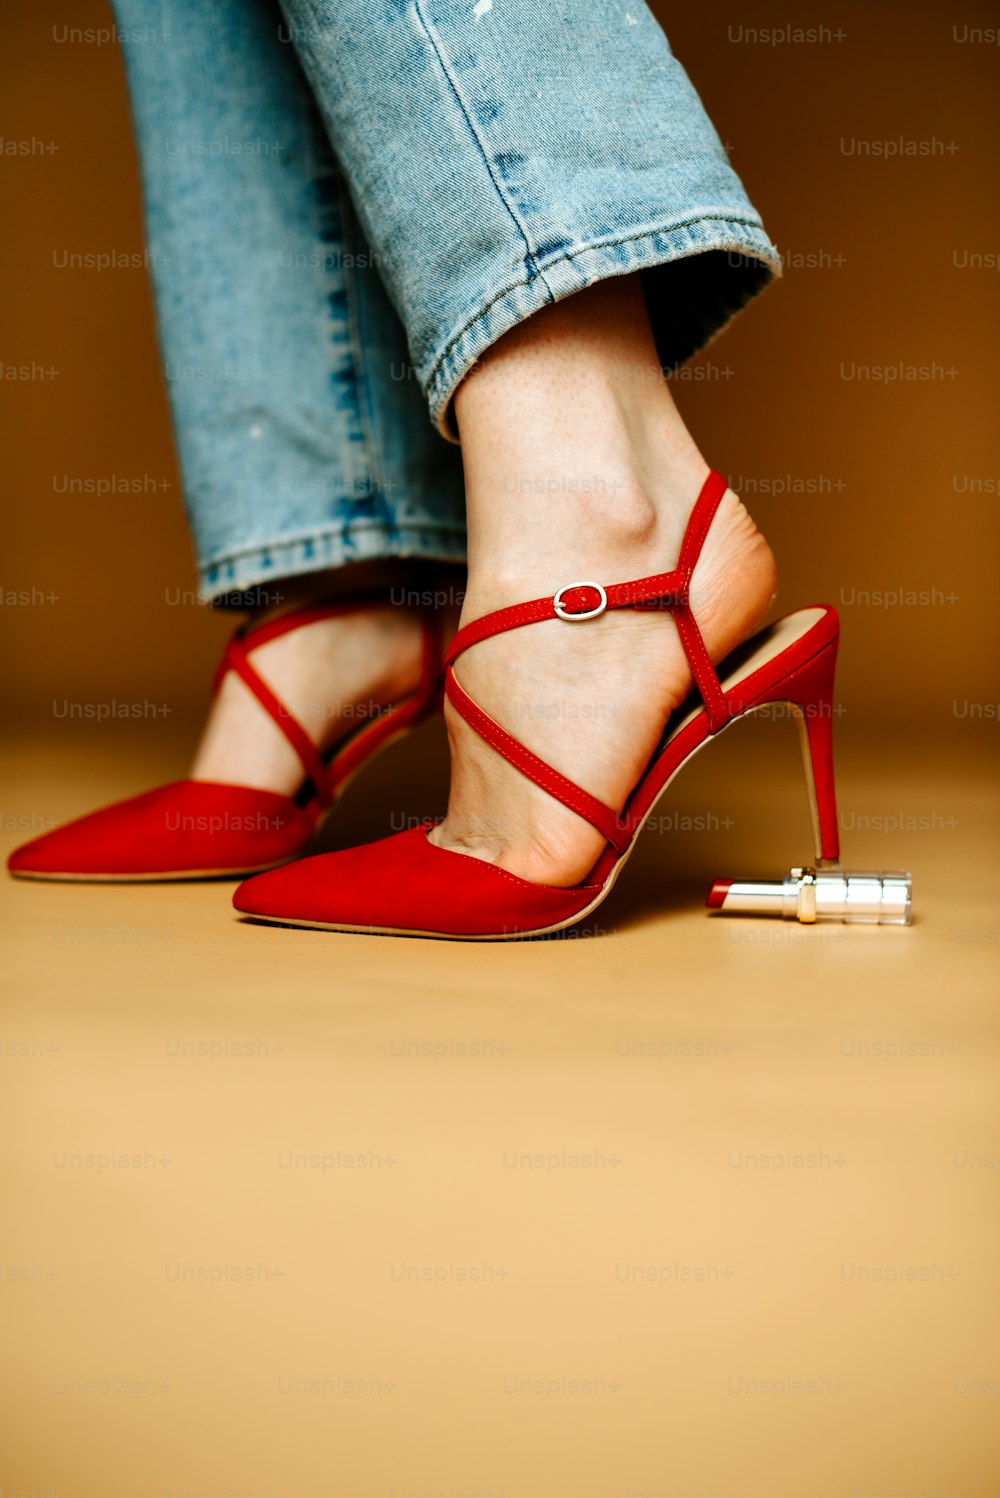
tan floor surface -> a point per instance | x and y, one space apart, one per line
688 1207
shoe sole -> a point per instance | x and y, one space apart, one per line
178 877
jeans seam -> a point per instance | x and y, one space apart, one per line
601 244
438 49
335 327
372 461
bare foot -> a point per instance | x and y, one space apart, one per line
578 467
331 675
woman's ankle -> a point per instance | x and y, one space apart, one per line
575 453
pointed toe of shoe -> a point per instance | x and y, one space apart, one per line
39 856
80 848
319 891
275 895
188 829
406 886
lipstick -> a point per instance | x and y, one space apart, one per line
853 896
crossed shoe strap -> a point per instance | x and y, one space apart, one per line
325 777
576 603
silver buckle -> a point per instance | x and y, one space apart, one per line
562 613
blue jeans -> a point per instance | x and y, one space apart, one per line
348 201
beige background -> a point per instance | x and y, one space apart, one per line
668 1046
770 402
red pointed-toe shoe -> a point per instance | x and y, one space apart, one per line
407 886
197 829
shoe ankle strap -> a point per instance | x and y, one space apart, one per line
576 603
249 637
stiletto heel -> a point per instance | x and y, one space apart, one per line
407 886
197 829
809 694
814 720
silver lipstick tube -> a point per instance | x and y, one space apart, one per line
854 896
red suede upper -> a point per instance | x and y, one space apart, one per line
406 883
191 827
178 828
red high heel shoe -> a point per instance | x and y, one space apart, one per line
196 829
406 886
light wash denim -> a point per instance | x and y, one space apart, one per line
498 156
302 442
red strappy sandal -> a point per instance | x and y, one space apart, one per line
406 886
196 829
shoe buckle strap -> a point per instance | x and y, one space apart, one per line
575 602
588 600
236 658
235 650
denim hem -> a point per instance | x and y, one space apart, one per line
707 268
292 556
